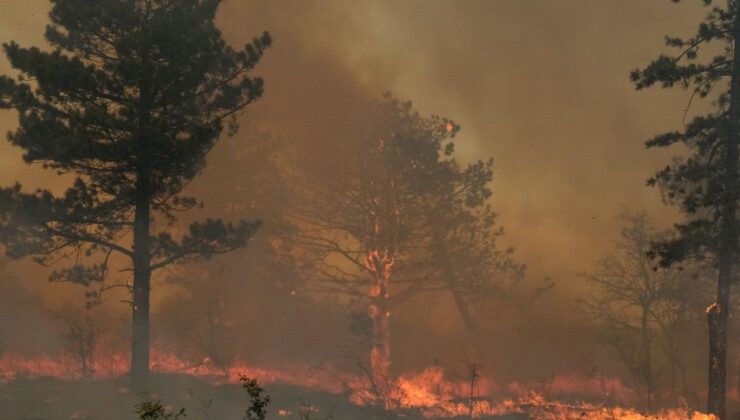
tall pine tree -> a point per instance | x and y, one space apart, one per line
705 184
130 99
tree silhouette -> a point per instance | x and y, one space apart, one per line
360 222
372 228
639 308
130 100
463 245
705 184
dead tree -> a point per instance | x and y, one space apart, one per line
638 305
81 337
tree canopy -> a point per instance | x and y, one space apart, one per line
130 99
705 184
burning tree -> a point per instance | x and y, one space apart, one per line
358 229
705 184
372 227
132 97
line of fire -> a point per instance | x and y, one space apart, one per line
342 209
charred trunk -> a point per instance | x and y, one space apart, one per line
380 351
717 314
717 318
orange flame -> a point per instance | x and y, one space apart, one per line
428 392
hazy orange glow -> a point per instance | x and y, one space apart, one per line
559 186
430 391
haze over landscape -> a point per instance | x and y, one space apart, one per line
541 87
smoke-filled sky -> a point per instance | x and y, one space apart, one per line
540 85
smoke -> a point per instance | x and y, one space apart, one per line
540 86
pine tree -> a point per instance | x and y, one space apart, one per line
130 99
397 215
705 184
360 225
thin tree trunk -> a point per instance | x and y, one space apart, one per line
718 312
646 354
473 371
676 369
467 320
464 311
142 276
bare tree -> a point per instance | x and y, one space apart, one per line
473 370
206 336
679 316
81 338
642 307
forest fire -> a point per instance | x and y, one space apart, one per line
429 393
194 220
117 364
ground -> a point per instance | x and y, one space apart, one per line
109 399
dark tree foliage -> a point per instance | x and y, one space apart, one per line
258 403
705 184
130 99
463 246
154 410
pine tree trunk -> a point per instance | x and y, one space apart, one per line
717 313
380 351
142 277
717 318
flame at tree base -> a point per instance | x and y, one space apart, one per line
428 393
